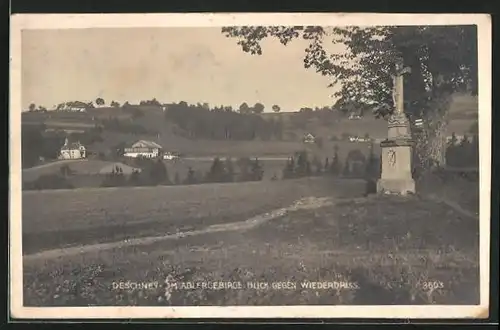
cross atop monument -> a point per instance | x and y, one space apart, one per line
397 92
396 176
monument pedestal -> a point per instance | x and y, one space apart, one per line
396 176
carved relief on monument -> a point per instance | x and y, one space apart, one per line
397 119
391 155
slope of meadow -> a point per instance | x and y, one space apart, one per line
91 215
372 250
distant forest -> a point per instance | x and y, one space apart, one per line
225 123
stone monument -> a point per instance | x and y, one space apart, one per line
396 176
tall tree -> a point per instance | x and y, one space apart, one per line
257 172
335 164
289 170
217 172
191 177
303 166
443 60
228 164
258 108
372 164
134 178
157 172
244 108
276 108
243 164
317 166
32 107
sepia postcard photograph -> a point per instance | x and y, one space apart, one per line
250 165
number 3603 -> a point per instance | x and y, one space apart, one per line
432 285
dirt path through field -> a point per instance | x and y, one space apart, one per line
302 204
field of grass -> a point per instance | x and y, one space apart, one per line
181 167
389 248
81 167
90 215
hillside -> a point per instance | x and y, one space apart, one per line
149 123
463 113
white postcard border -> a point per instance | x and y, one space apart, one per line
21 22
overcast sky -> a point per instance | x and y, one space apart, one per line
171 64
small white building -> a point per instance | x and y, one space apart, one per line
359 139
459 139
72 151
309 138
76 106
142 148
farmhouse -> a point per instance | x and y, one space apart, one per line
142 148
359 139
72 150
309 138
75 106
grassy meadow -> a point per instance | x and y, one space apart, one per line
413 250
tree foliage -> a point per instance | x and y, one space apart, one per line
258 108
443 60
222 122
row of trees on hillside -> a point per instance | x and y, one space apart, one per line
125 126
244 123
222 123
221 171
37 144
356 165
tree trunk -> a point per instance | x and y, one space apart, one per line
431 143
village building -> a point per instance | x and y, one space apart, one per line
142 148
309 138
359 139
75 106
73 150
459 138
